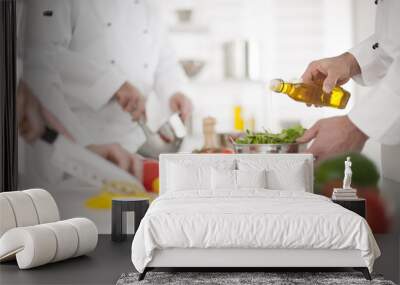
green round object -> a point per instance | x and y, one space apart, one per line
365 172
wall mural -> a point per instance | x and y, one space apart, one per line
100 97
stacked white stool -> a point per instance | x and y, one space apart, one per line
31 231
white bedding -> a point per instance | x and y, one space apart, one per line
252 218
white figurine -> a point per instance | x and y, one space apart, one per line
345 193
347 174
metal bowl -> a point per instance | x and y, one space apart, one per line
269 148
167 139
156 145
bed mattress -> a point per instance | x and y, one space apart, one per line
250 219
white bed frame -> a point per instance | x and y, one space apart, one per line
251 258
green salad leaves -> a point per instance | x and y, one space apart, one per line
288 135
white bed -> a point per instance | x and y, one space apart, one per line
248 227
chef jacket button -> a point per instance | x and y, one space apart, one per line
376 2
145 66
109 24
112 61
145 31
136 1
375 45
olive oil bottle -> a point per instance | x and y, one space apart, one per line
312 93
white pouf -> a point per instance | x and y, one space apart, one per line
87 233
23 208
7 220
31 233
46 207
67 239
32 246
37 245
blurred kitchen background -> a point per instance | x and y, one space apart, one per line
231 49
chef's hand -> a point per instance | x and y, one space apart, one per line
332 71
32 117
131 101
55 124
116 154
181 104
30 122
333 136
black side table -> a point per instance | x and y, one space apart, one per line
118 215
357 205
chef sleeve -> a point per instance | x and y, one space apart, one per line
86 80
378 113
46 85
40 75
50 26
169 77
373 61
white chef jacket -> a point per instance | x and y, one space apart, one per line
88 49
378 114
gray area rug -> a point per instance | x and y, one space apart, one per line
243 278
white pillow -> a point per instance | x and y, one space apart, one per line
228 179
223 179
283 178
188 177
251 178
282 174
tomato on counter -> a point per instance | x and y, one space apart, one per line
150 175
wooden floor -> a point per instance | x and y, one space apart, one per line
102 266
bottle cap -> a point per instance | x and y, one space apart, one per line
276 85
